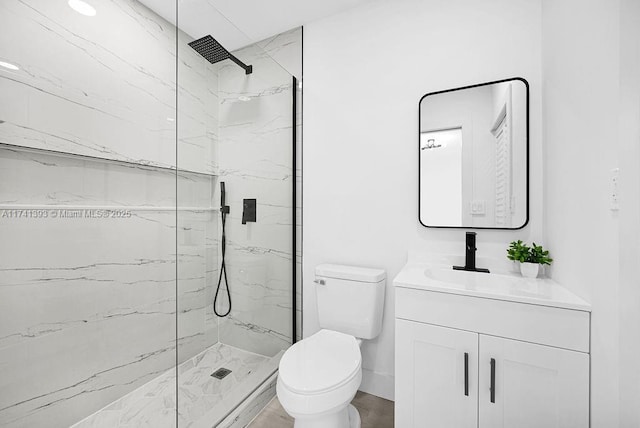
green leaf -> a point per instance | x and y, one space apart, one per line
519 251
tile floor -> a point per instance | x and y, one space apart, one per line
375 412
153 404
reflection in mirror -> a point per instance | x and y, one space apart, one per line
473 156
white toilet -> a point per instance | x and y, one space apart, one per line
319 376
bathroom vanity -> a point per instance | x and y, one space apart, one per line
489 350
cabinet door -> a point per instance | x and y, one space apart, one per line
430 377
534 385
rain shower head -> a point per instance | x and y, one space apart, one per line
214 52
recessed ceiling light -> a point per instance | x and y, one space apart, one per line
82 8
244 98
9 66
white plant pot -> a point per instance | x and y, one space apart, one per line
529 270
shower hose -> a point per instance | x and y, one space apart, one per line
223 270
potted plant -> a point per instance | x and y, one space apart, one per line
530 258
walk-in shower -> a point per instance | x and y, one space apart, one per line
115 136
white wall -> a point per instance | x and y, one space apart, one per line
591 119
365 71
442 194
629 150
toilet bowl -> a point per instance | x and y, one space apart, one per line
319 376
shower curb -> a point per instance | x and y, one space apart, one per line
244 414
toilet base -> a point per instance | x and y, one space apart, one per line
345 418
354 416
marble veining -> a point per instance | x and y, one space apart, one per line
122 105
154 404
255 148
88 306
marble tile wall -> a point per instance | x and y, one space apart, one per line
93 85
255 152
286 49
197 239
88 304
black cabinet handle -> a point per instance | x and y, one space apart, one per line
466 373
492 388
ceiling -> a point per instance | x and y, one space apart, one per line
237 23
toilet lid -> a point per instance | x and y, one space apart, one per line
320 363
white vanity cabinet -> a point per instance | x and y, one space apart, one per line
430 376
473 355
535 385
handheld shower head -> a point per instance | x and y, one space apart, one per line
223 208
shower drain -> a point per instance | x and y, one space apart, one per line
220 373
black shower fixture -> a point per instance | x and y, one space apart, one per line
214 52
224 210
248 211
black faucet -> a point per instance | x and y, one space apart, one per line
470 255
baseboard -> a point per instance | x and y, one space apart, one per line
378 384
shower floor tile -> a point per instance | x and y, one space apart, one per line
153 404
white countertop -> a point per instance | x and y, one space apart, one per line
499 286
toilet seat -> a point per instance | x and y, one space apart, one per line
320 363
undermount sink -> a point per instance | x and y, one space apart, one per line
502 286
491 283
475 280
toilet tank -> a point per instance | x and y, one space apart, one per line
350 299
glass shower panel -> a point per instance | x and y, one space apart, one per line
255 152
237 129
87 214
197 233
113 148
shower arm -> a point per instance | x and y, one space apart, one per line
248 69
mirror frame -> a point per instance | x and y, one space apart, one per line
526 221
